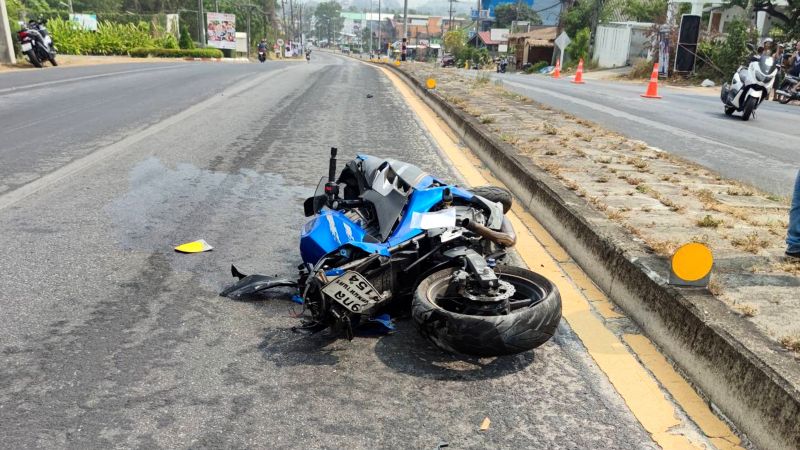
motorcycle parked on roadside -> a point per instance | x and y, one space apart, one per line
36 43
386 236
502 65
750 86
787 90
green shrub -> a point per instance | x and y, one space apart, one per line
579 47
186 39
719 58
109 39
176 53
169 41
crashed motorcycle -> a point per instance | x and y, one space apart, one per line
385 236
750 86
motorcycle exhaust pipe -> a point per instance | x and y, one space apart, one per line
506 237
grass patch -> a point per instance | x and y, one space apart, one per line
747 309
709 222
487 119
791 343
750 243
548 128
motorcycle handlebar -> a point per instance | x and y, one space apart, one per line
332 166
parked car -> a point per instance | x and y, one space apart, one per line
448 61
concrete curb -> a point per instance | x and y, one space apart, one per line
752 381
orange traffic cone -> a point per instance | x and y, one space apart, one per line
557 72
652 87
579 74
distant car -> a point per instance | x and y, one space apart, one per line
448 61
345 50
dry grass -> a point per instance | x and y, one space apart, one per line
639 163
549 128
602 179
791 343
714 287
746 309
706 196
487 119
750 243
663 248
633 181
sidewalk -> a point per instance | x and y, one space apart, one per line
659 199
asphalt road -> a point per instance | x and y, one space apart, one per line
108 338
764 151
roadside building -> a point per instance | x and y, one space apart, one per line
534 45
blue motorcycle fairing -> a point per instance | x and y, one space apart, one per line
331 230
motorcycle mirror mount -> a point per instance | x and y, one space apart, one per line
331 188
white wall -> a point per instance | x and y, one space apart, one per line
612 46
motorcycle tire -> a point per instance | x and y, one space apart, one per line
749 107
34 59
52 59
495 194
729 110
485 336
783 99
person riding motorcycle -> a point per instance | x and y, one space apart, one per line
262 46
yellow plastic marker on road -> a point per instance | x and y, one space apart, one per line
430 83
194 247
640 391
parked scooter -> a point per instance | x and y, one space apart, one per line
502 65
36 43
750 85
386 236
787 92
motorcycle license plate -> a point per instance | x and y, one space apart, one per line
26 47
352 291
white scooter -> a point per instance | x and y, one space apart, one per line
750 86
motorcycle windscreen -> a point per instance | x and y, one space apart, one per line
314 204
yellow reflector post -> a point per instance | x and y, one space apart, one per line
431 83
691 265
194 247
397 63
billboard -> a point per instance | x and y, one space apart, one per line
221 30
87 22
492 4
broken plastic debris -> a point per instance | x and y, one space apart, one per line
485 424
194 247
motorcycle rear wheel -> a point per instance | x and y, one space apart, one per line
495 194
524 328
34 59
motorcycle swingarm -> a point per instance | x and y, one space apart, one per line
249 285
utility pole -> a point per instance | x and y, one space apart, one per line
291 19
405 19
450 23
249 11
380 29
6 44
285 28
201 24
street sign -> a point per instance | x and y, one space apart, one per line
280 42
562 41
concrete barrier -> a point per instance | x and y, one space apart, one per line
748 377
